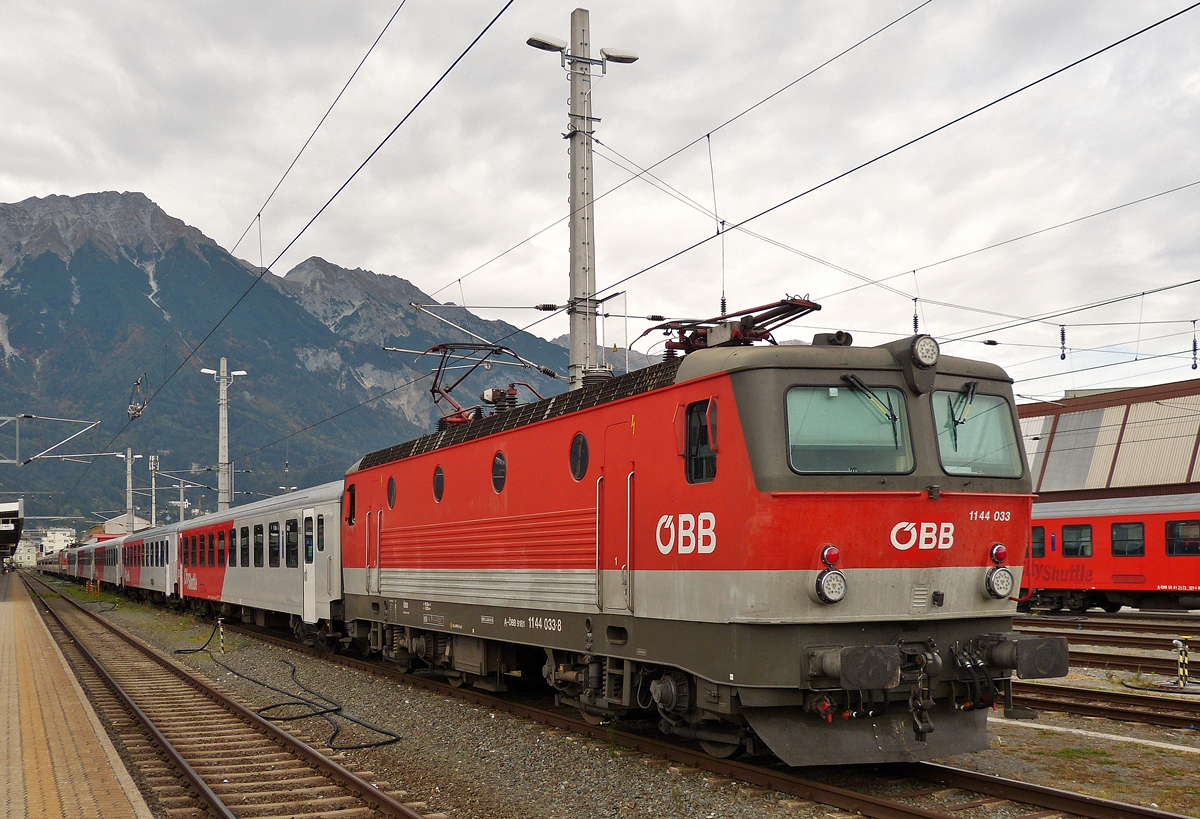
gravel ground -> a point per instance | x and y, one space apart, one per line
465 761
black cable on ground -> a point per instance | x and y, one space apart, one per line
328 711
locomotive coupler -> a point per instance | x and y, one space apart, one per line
919 703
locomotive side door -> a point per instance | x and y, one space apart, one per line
615 517
310 568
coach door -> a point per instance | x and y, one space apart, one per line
310 568
615 538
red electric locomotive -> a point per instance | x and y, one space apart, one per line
810 548
1142 552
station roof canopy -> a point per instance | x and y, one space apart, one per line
1115 443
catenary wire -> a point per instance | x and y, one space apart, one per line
904 145
695 141
309 224
325 116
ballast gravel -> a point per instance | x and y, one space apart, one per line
464 761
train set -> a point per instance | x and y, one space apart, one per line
1108 553
809 549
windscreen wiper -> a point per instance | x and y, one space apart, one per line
967 390
886 409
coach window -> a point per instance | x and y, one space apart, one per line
246 546
273 545
1077 540
203 551
212 549
221 548
258 546
233 547
439 483
499 472
291 544
1183 538
320 533
391 492
1128 540
308 539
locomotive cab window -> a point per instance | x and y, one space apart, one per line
701 454
854 429
1128 540
350 505
975 433
1183 538
1077 540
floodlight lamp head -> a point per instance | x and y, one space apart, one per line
238 372
208 371
619 55
546 43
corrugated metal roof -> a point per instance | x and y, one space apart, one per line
1035 433
1157 445
1081 453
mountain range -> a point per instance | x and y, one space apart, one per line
107 301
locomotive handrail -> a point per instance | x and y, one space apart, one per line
625 570
599 585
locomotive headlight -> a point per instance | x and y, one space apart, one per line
998 582
925 351
831 586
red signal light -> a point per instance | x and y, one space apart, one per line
830 556
999 553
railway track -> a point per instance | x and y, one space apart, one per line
1126 706
958 791
977 790
1146 623
228 761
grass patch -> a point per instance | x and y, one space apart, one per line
1078 753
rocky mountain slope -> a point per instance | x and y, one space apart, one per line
99 290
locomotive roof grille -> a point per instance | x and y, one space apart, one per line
639 381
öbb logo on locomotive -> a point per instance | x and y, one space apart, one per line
926 535
695 533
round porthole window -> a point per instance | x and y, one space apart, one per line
391 493
499 471
579 456
439 484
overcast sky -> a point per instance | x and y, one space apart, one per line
201 106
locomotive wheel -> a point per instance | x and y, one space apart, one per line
720 750
592 719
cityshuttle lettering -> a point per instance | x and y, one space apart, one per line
1077 573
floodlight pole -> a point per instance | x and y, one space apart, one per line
128 491
582 306
153 462
223 378
583 234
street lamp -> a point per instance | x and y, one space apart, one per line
582 309
223 379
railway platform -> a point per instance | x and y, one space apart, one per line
55 758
